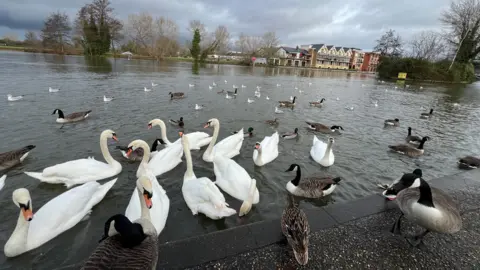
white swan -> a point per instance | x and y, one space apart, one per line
277 110
160 199
107 99
12 98
234 180
146 89
201 194
250 100
266 151
83 170
53 90
321 152
197 139
2 181
228 147
53 218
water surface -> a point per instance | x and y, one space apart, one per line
361 156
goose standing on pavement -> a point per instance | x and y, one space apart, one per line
126 244
70 118
429 207
310 187
408 150
14 157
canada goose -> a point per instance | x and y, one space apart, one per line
310 187
428 207
176 95
273 122
290 135
426 115
73 117
179 123
408 150
413 139
127 245
137 154
392 122
14 157
288 103
323 128
249 132
317 103
417 172
296 229
233 92
468 163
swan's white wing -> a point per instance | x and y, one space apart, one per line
196 139
202 190
58 214
75 168
2 181
231 177
166 159
318 149
230 145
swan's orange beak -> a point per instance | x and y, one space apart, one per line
129 151
27 214
180 134
149 126
206 125
114 137
148 201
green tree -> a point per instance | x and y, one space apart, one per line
195 50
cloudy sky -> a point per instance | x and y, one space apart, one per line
349 23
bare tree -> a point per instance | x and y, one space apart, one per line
249 45
10 37
270 44
427 45
155 37
31 39
56 31
462 20
389 44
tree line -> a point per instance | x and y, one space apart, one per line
96 31
447 54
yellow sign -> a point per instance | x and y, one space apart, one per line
402 75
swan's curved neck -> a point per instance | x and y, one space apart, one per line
163 130
105 152
17 243
259 156
216 129
188 158
328 150
146 153
144 211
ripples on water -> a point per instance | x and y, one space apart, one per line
361 156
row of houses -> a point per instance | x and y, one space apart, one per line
327 57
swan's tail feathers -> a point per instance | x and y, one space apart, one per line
69 184
37 175
247 204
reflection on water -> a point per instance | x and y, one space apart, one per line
361 156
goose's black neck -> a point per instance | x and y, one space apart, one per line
154 146
420 146
296 181
425 194
293 101
409 132
60 114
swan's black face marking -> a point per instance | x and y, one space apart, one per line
114 136
26 211
257 145
208 124
147 193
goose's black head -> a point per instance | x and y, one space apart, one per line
431 111
397 120
131 234
407 180
293 167
426 138
170 93
409 129
296 130
323 99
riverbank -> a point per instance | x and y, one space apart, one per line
353 235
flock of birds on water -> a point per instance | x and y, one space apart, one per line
130 240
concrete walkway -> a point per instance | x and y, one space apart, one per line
366 243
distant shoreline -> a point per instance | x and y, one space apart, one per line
179 59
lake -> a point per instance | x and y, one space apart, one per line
362 158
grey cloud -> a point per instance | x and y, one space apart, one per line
349 23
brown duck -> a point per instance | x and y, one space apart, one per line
14 157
